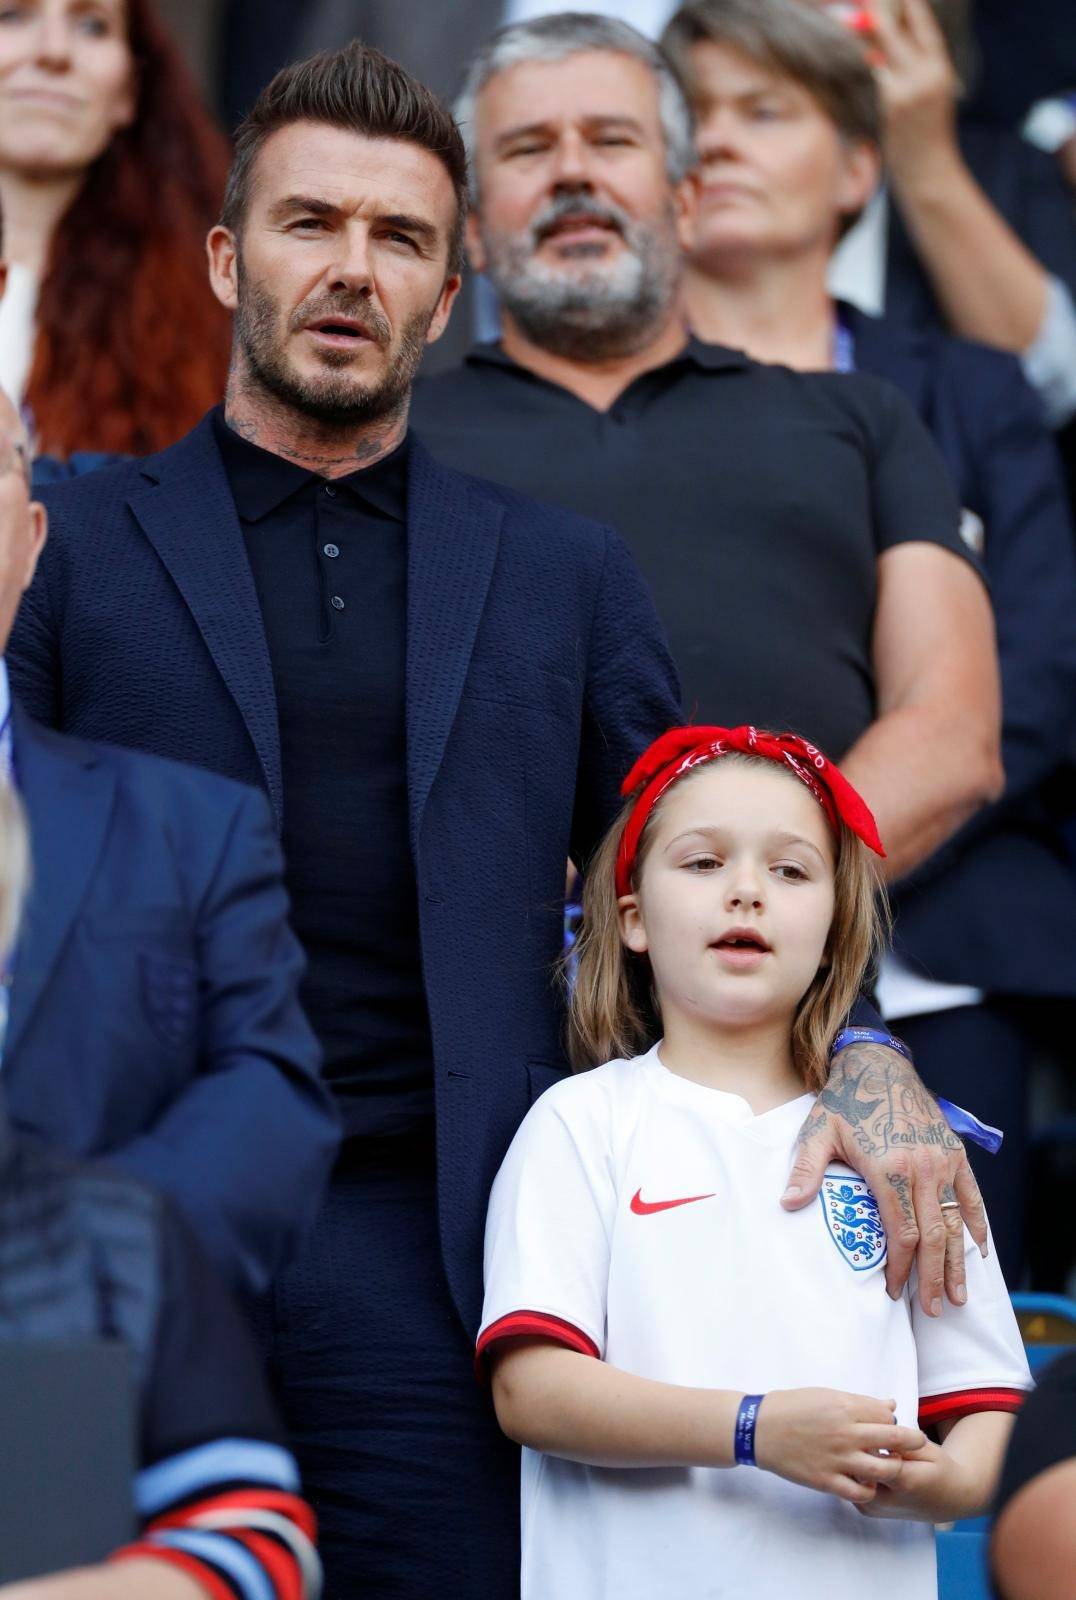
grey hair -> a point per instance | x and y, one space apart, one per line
570 33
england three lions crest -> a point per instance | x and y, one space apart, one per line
852 1218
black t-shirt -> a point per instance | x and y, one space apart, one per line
1045 1431
755 500
329 561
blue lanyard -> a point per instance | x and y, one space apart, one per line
844 346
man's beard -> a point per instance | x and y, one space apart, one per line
333 397
611 310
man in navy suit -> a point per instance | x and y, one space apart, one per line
152 1012
439 685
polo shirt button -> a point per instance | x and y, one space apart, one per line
332 549
338 604
330 491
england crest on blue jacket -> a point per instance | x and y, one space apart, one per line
851 1213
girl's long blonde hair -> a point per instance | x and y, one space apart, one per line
613 1010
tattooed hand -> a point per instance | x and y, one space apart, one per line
876 1116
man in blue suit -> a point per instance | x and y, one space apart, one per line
439 685
152 1012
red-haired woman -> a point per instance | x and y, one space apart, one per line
110 173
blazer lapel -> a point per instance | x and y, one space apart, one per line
186 510
452 538
69 795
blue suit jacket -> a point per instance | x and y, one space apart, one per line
154 1014
997 906
536 673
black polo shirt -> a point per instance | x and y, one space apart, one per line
330 568
755 500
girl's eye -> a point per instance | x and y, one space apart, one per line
790 871
702 864
12 13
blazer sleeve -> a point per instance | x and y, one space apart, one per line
632 694
32 653
247 1148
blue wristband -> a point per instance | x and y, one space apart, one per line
849 1036
746 1421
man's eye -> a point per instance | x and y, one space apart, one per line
524 150
614 139
402 238
12 13
308 224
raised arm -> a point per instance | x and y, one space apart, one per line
931 758
988 283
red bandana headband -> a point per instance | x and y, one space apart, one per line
682 749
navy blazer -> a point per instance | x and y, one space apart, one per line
1026 187
154 1013
536 673
997 906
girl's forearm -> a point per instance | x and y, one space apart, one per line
570 1405
976 1447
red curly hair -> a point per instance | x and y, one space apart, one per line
132 345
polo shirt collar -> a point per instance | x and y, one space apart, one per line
261 481
695 353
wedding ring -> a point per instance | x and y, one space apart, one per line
949 1205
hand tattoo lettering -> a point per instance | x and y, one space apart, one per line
882 1099
899 1184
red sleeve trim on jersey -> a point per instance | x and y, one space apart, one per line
210 1580
965 1402
533 1325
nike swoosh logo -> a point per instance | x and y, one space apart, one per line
646 1208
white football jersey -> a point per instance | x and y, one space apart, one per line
637 1218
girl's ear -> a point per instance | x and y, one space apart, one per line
632 930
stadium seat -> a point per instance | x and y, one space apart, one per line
962 1566
1048 1326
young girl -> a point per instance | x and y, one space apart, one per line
717 1397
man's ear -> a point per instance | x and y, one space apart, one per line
439 320
632 929
222 252
38 532
476 250
686 210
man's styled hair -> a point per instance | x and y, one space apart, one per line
361 91
792 40
613 1009
571 33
